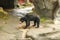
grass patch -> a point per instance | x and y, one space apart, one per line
3 14
46 20
43 20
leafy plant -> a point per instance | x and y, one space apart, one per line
42 20
3 14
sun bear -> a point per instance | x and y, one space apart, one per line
27 18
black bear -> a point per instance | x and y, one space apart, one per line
27 18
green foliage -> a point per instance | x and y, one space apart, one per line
45 20
3 15
42 20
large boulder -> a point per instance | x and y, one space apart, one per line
40 34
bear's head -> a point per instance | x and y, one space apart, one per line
22 20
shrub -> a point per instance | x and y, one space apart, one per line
3 14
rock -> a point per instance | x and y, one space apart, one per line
55 36
34 33
57 17
6 36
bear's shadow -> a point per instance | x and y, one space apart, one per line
23 27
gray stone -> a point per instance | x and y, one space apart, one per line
40 34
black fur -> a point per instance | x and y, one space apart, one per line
27 18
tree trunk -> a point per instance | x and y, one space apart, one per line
46 8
